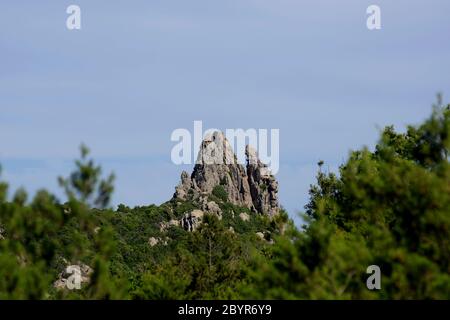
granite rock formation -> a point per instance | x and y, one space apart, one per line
252 186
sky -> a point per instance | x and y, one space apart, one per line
137 70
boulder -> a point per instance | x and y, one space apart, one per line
212 207
260 235
152 241
263 185
244 216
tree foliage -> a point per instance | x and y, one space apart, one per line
388 207
85 183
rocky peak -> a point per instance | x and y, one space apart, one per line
252 186
263 185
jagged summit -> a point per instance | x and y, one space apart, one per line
252 186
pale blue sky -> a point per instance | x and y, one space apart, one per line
140 69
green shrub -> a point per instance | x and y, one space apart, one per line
220 193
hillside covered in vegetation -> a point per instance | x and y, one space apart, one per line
388 207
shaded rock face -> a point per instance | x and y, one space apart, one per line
212 207
252 186
192 220
216 165
263 186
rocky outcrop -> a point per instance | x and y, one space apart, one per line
260 235
212 207
192 220
252 186
244 216
263 186
152 241
167 224
216 165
